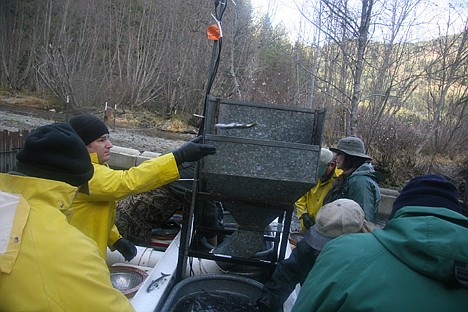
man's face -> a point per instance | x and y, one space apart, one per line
339 160
331 166
101 146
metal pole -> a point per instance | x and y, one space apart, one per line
105 112
114 113
66 108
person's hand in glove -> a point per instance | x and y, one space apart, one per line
307 221
193 151
126 248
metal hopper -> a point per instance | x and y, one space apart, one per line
267 158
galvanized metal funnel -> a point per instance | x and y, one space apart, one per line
267 158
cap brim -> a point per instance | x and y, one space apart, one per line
316 240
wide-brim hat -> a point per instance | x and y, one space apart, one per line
351 146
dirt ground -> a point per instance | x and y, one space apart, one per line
14 118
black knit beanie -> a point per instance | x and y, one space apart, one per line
430 190
55 152
89 127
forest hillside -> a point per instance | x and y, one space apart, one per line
407 99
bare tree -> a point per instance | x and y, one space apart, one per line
19 38
391 71
343 57
363 33
445 75
69 60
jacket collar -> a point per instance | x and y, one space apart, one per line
94 158
56 193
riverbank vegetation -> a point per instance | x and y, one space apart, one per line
407 99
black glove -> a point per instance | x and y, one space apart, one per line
193 151
126 248
307 221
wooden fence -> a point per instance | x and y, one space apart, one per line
10 144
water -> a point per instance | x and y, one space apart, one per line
215 301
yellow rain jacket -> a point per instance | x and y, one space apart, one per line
45 263
94 215
312 201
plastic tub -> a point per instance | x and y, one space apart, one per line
213 292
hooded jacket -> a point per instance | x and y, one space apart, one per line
94 215
45 263
361 186
408 266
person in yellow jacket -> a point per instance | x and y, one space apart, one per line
310 203
46 264
94 215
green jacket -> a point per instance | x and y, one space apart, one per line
408 266
45 263
361 186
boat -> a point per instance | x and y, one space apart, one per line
256 192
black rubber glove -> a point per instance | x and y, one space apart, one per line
126 248
193 151
307 221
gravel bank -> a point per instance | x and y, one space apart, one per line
153 140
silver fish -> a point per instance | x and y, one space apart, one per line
155 283
234 125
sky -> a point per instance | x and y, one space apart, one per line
433 16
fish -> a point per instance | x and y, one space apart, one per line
234 125
155 283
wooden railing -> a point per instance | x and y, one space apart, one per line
10 144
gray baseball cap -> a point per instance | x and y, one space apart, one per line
351 146
326 156
342 216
